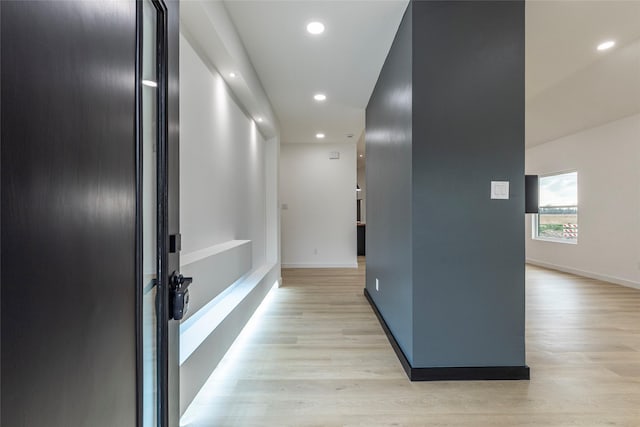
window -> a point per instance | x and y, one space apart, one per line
557 219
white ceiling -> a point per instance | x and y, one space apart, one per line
570 85
293 65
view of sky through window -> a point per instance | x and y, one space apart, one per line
559 190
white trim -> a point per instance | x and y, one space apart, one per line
192 257
563 172
588 274
350 265
196 329
552 240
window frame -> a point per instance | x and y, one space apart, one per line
535 218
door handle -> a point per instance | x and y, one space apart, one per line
179 295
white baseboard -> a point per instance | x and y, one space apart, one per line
350 265
589 274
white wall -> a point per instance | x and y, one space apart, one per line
319 223
222 163
228 195
607 159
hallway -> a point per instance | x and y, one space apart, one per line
318 356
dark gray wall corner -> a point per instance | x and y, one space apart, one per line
388 141
467 251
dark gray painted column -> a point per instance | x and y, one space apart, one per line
461 95
388 139
468 127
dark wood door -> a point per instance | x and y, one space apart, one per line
68 214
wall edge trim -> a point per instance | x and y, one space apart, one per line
305 265
587 274
200 254
455 373
392 340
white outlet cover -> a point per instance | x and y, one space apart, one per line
500 190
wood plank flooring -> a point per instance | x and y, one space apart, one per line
317 356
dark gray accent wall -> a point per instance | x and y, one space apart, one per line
468 129
464 267
388 142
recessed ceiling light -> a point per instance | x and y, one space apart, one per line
319 135
361 155
315 27
232 75
606 45
149 83
259 119
319 96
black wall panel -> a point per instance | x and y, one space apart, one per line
531 190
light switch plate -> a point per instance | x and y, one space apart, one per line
500 190
334 155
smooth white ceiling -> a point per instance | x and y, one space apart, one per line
343 63
571 86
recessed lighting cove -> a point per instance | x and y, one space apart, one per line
315 27
319 96
606 45
319 135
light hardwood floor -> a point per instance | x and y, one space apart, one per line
317 356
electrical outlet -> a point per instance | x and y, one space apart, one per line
377 285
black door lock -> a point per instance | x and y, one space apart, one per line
179 295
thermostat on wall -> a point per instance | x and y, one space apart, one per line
334 155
